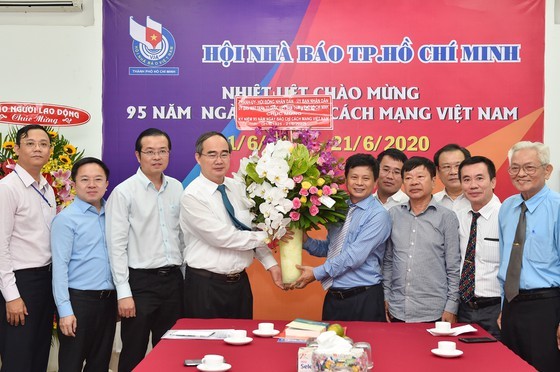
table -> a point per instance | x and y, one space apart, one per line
395 346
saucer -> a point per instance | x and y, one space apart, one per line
260 333
447 353
238 341
435 332
221 368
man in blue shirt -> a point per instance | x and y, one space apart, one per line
354 250
530 266
82 282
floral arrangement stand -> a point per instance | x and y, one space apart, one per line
293 184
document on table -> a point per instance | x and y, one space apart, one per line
198 334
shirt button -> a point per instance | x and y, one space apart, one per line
410 256
411 243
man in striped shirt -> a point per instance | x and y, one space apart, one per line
480 299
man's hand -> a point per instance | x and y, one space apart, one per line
289 235
558 336
499 321
387 314
305 278
68 325
449 317
276 275
16 311
127 309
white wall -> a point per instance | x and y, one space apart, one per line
42 62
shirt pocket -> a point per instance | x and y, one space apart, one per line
489 252
539 249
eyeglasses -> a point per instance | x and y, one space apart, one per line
32 144
151 154
529 169
214 155
449 167
394 172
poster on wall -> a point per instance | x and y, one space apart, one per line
404 74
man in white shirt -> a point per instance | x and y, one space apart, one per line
480 299
217 252
145 243
28 207
447 160
390 181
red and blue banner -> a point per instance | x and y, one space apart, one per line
414 75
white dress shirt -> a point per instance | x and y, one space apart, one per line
455 205
142 226
25 222
214 244
487 256
397 198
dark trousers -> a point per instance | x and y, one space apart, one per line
367 305
96 316
214 297
486 317
158 300
529 330
26 347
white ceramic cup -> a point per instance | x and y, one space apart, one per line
213 360
447 345
266 327
443 326
239 333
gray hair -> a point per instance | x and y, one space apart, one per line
543 152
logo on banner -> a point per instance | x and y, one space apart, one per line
153 46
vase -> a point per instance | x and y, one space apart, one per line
290 256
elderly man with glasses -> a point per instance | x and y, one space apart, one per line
529 270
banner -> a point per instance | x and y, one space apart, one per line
405 74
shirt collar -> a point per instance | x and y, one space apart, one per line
533 202
210 187
27 179
146 181
487 211
433 204
85 206
362 204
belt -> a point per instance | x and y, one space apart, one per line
345 293
42 268
162 271
482 302
228 278
102 294
537 294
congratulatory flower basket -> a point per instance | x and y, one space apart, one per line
294 184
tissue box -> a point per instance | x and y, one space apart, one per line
304 359
355 360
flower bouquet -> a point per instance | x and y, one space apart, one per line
293 184
56 171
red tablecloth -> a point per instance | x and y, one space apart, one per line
395 346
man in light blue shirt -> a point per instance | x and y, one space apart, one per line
530 318
82 282
352 273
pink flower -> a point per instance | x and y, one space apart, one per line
313 210
296 203
315 200
313 190
334 186
298 179
294 216
327 190
304 192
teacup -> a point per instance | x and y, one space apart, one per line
443 326
266 327
447 345
239 333
212 360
